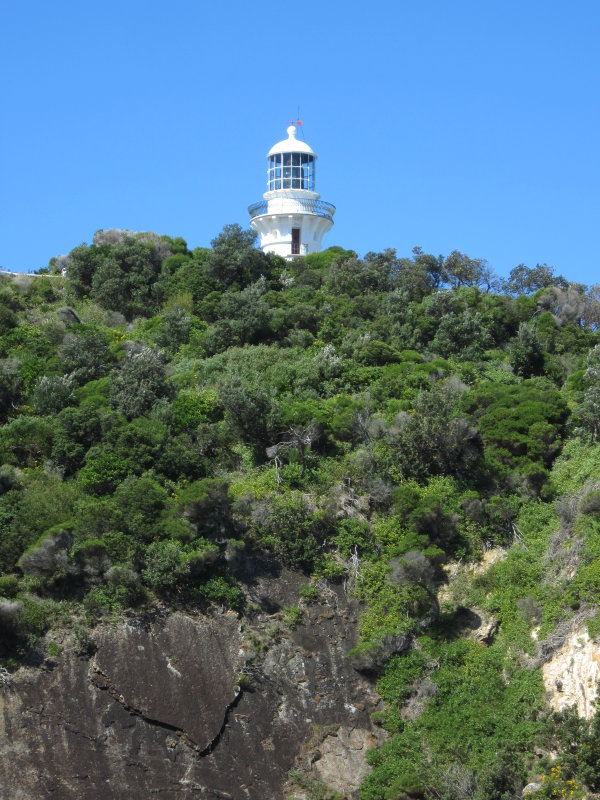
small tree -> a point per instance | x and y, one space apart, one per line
587 415
525 352
50 395
84 355
177 325
165 566
140 382
234 258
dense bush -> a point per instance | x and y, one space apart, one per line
167 414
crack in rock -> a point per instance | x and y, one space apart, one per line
100 680
60 721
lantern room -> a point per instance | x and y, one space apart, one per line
291 171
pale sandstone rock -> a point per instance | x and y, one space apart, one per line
454 568
489 558
571 676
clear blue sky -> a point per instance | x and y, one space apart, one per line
470 125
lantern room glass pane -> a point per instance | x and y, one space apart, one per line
305 176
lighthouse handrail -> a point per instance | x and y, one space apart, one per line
256 209
305 205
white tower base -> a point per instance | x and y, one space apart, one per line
286 211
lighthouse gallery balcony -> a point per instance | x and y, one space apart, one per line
292 204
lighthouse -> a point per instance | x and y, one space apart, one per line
291 218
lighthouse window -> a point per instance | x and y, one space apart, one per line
291 171
305 176
308 173
274 181
296 183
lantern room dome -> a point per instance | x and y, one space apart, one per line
291 145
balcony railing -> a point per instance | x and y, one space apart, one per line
299 206
256 209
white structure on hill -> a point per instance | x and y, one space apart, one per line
291 219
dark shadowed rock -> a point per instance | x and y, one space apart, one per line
68 315
188 705
190 672
371 659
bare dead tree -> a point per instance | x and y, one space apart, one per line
354 569
299 439
5 679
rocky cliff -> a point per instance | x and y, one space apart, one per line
180 704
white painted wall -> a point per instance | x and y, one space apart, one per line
276 232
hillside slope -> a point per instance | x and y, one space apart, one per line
273 528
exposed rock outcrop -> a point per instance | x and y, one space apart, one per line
487 631
531 789
183 704
571 676
371 660
336 758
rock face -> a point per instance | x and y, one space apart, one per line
571 676
182 704
487 631
188 667
338 760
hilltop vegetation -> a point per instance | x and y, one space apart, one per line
367 421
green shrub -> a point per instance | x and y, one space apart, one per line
308 593
165 566
219 588
327 567
53 649
292 616
139 383
9 585
102 472
354 534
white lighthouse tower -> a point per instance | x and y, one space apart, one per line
291 219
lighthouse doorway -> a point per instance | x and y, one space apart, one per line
295 241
